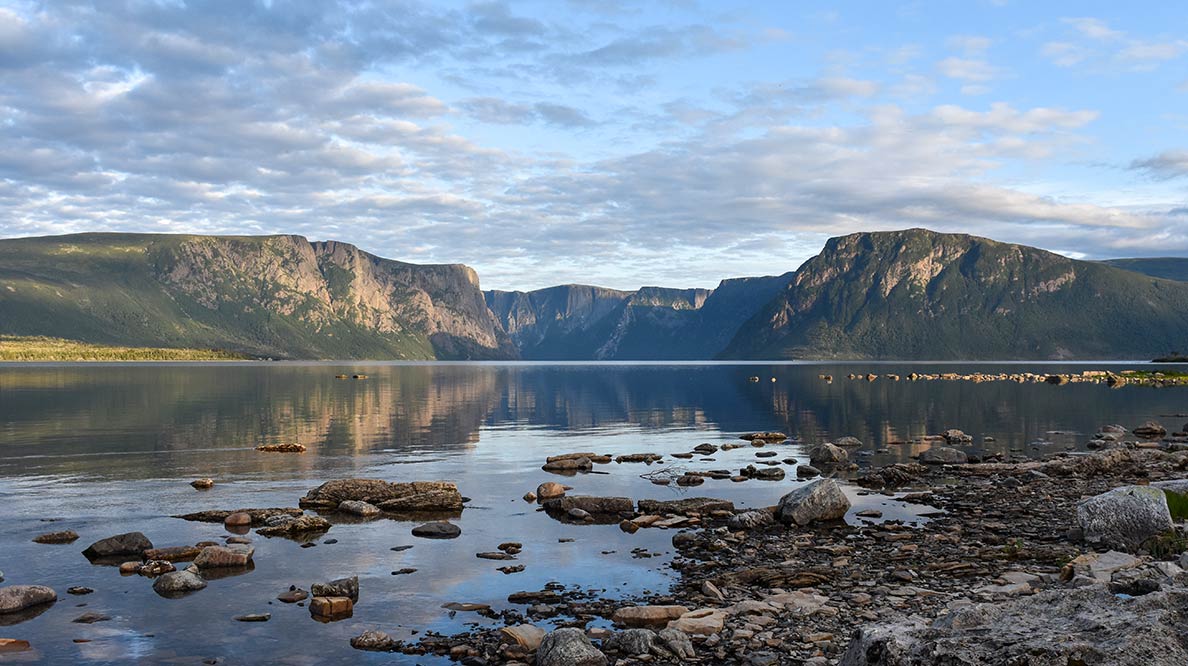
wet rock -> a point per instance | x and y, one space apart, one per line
374 641
131 543
154 568
10 645
763 473
690 480
750 520
807 472
588 455
648 458
606 506
203 484
568 647
359 508
298 527
394 497
529 497
568 465
848 442
494 555
177 583
65 536
237 520
764 436
292 595
550 490
527 636
820 500
705 449
213 557
259 516
281 448
1150 430
1124 518
437 530
579 514
684 507
16 598
955 436
828 454
253 617
628 526
340 587
648 616
173 553
331 608
79 590
943 455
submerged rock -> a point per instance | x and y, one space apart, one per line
820 500
1123 518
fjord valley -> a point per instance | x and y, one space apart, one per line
913 294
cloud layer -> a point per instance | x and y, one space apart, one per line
545 145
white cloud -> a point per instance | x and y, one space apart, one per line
1093 28
967 69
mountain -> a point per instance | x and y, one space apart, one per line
1170 268
579 322
918 294
274 296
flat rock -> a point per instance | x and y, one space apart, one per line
426 496
253 617
213 557
173 553
437 530
65 536
648 616
684 507
703 622
590 504
527 636
549 490
259 516
281 448
297 527
9 645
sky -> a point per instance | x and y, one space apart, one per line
600 141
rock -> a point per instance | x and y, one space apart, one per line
374 641
943 455
238 520
828 454
847 442
130 568
568 647
281 448
213 557
703 622
340 587
529 497
677 642
437 530
259 516
648 616
153 568
253 617
1150 430
763 473
955 436
527 636
464 607
632 642
79 590
359 508
807 471
302 526
749 520
1124 518
177 583
9 645
65 536
394 497
593 505
628 526
292 595
588 455
16 598
550 490
494 555
705 449
648 458
764 436
1100 566
203 484
820 500
684 507
131 543
1086 625
173 553
690 480
798 603
568 465
331 608
579 514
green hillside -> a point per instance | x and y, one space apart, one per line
1169 268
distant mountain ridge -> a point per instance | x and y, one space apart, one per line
911 294
1169 268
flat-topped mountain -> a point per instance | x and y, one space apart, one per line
274 296
912 294
917 294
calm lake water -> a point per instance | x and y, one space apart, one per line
106 449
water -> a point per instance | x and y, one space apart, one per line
105 449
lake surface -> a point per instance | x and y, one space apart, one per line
107 449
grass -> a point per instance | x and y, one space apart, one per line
25 348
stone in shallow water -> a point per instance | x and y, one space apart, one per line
65 536
213 557
178 583
16 598
331 608
395 497
131 543
820 500
341 587
374 641
437 530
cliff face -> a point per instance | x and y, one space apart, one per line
917 294
278 296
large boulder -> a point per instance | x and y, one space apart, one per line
943 455
828 454
394 497
820 500
568 647
16 598
1124 518
1087 625
131 543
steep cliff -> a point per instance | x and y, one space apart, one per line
918 294
276 296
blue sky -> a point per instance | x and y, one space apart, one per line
614 143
